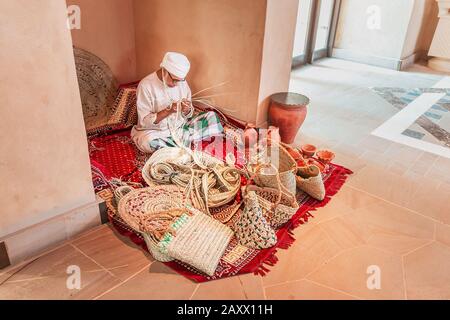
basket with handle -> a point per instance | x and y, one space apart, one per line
285 165
312 183
278 204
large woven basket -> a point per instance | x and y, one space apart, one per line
277 210
141 203
164 155
98 88
198 241
286 167
208 181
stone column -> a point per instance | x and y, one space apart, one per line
440 47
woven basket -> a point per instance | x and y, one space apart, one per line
285 165
144 202
164 155
98 88
252 229
277 210
207 181
313 186
198 241
120 192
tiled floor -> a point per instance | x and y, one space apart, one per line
392 215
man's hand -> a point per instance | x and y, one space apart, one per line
173 107
185 106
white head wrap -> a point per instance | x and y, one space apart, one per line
176 64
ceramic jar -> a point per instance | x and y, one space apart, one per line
287 111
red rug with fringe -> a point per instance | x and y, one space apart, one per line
115 156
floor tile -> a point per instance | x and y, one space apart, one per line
304 290
443 233
345 232
55 288
253 286
47 276
114 252
234 288
311 250
390 227
52 264
345 201
348 272
158 282
427 272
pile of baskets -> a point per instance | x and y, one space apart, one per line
176 213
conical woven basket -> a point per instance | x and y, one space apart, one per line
313 186
252 229
276 213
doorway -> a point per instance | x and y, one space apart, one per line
315 30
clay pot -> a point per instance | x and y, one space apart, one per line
287 111
308 150
325 156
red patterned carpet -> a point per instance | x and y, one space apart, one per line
115 156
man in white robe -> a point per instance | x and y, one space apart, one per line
158 96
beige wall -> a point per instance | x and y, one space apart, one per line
353 34
407 28
44 163
107 30
222 38
421 27
281 18
225 41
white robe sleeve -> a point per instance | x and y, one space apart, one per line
189 98
145 108
189 93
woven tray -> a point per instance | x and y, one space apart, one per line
146 201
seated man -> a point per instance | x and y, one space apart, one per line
158 96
